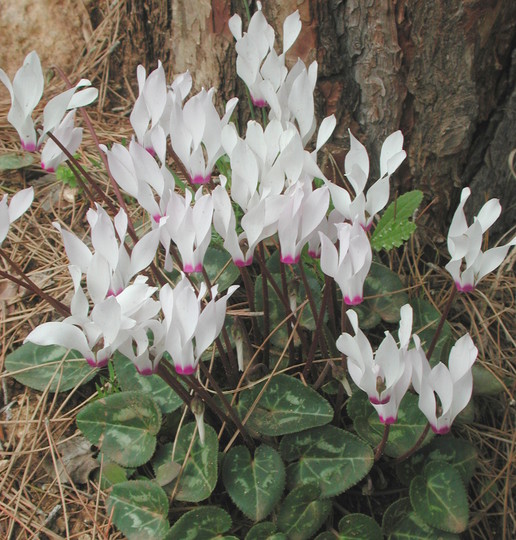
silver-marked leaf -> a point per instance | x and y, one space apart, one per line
265 531
204 523
400 522
326 456
255 485
359 526
303 512
152 385
402 435
439 497
384 296
42 366
286 406
140 509
15 161
124 426
200 471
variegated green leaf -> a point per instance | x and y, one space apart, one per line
326 456
439 497
42 366
303 512
204 523
359 526
402 435
200 471
140 509
286 406
265 531
152 385
255 485
124 426
400 522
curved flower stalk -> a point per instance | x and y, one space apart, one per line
257 61
195 133
98 333
350 264
20 203
453 384
384 375
465 245
191 329
364 206
303 211
189 227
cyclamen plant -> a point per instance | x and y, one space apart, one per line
156 300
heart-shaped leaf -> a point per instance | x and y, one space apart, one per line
384 295
326 456
303 512
152 385
439 497
200 471
359 526
124 426
140 509
254 485
286 406
402 435
42 366
265 531
15 161
204 523
485 383
400 522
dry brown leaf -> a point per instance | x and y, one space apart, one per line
76 461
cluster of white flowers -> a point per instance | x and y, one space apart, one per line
387 374
271 192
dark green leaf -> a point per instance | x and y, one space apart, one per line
204 523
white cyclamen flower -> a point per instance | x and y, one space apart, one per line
19 204
453 384
364 206
465 245
191 329
350 264
385 375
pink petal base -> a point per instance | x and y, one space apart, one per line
111 292
94 364
151 151
388 421
48 169
289 259
464 288
199 179
440 431
187 370
157 217
145 371
188 268
28 147
259 102
314 254
375 401
240 263
353 301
